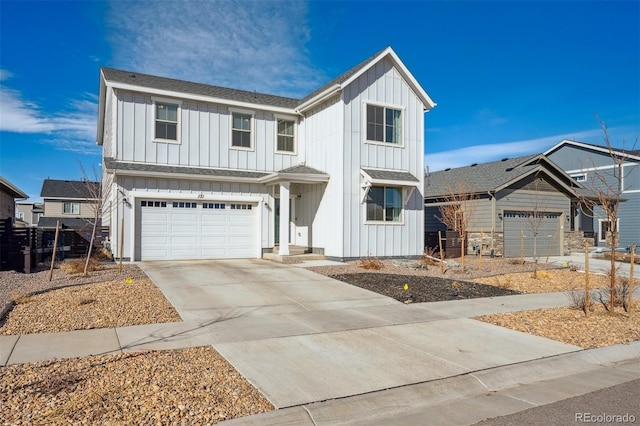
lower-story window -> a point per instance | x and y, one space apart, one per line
384 204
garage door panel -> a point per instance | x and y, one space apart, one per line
519 232
198 233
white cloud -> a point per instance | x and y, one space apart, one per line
492 152
252 45
73 129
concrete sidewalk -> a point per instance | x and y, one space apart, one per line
326 352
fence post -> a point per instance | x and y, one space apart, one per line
55 246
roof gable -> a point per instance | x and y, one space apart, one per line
345 79
631 154
494 176
70 189
11 189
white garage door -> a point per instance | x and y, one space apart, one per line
197 230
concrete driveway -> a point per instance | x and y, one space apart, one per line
300 337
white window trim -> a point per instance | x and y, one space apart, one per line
251 134
295 134
384 222
71 203
402 110
156 100
582 176
603 238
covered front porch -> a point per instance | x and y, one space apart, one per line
303 186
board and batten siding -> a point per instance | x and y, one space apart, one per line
322 127
204 137
382 84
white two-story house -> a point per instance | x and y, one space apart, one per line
200 172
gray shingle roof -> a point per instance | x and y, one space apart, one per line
111 164
180 86
11 189
75 189
67 222
479 178
391 175
303 170
342 77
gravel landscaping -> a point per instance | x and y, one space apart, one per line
197 386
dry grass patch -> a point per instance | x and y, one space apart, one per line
108 304
546 282
188 386
371 263
571 326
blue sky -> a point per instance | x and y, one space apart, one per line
510 77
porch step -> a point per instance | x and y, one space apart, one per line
297 254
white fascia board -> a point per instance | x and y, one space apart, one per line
294 177
406 74
319 98
167 175
195 196
101 106
209 99
52 199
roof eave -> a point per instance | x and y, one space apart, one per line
190 176
201 98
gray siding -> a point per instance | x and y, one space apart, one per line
573 159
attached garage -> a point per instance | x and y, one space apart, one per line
518 232
178 229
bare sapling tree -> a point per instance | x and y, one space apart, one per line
97 191
607 187
458 209
535 217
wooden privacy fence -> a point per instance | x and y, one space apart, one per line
22 249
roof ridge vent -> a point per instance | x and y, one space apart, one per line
447 169
474 164
505 159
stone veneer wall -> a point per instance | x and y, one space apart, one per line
477 239
574 242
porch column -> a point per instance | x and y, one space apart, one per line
284 218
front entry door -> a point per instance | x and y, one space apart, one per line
277 220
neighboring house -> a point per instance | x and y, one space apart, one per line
29 213
588 164
199 171
511 199
8 194
71 202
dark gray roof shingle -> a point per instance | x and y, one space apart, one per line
302 169
67 222
479 178
391 175
111 164
74 189
170 84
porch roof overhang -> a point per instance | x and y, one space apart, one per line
372 177
298 174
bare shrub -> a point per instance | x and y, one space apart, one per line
620 294
503 282
77 266
429 257
371 263
514 262
578 300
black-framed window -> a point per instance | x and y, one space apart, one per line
384 204
384 124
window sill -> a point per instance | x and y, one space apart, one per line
380 222
392 145
242 148
169 141
287 152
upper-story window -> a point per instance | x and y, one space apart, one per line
384 124
167 121
71 208
241 130
286 136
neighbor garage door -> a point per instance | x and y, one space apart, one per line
197 230
517 224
